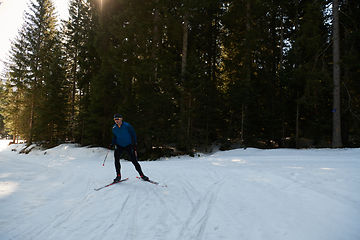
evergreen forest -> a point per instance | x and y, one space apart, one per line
186 74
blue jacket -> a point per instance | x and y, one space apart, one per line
122 135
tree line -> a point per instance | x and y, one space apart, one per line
187 74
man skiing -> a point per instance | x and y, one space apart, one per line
123 137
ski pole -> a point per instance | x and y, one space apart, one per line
106 157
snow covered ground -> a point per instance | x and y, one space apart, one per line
250 194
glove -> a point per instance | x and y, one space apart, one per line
135 146
111 145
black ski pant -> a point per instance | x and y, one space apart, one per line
131 153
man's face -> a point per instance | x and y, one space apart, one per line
118 121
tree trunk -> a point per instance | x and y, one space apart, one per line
155 36
336 136
185 95
248 63
297 92
184 49
72 123
297 122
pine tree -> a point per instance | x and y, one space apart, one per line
313 54
80 61
53 120
350 61
15 89
33 66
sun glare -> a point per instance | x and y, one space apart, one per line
7 188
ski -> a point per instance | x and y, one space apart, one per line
151 181
122 180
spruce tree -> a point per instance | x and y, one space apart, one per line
80 63
15 95
33 66
54 110
350 61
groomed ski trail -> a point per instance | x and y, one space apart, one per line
241 194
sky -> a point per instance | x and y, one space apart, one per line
11 19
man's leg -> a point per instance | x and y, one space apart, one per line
117 154
130 152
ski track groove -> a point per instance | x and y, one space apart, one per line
133 207
195 208
278 192
60 215
187 192
329 210
244 207
210 205
297 183
202 222
163 202
73 210
291 222
117 215
134 210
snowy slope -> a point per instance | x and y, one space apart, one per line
246 194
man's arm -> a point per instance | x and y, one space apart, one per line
132 133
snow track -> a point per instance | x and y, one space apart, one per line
241 194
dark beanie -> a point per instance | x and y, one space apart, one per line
117 115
